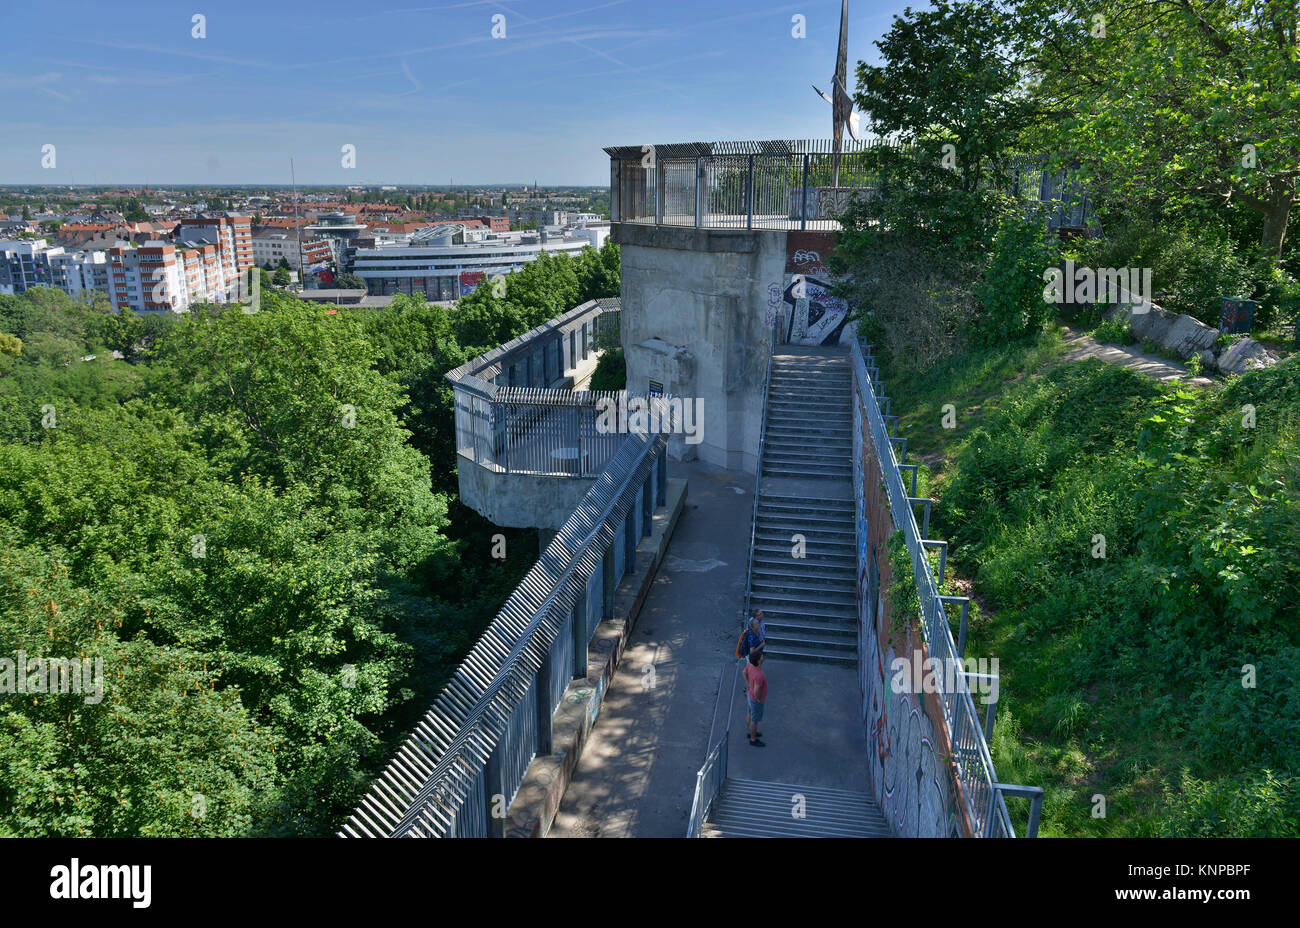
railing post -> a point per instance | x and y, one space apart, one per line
701 192
660 175
494 786
803 187
544 732
662 464
629 542
647 510
608 582
749 196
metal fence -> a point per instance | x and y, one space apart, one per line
467 757
981 793
740 185
514 411
785 184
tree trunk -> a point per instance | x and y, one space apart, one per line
1277 210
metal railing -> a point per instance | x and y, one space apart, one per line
473 747
758 476
512 418
709 780
776 184
981 793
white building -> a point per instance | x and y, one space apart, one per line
446 262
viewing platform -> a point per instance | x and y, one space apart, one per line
777 184
527 443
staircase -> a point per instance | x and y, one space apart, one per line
759 809
809 419
809 604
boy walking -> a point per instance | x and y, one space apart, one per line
755 696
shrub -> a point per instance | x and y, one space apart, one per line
1115 331
1011 294
1278 296
611 371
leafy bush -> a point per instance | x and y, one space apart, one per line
611 371
1011 292
1279 298
1192 270
1114 331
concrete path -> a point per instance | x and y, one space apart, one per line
1082 345
636 777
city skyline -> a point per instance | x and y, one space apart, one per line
158 96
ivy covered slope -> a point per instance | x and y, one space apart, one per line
1135 550
251 521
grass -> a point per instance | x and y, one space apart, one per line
1121 674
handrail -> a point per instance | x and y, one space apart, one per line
973 764
700 805
758 477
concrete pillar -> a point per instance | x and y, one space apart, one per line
544 713
580 636
493 786
609 581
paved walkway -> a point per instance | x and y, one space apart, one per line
1082 345
636 777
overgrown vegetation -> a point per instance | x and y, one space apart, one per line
251 519
1136 551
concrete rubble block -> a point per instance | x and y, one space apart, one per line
1244 355
1187 336
1178 332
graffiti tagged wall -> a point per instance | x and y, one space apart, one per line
810 315
909 774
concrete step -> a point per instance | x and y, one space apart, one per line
804 566
789 623
816 612
786 470
813 654
773 554
763 809
807 525
787 501
802 582
786 599
811 639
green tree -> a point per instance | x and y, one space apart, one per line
1187 102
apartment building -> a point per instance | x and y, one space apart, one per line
270 247
158 277
27 263
233 236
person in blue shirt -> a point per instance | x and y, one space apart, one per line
756 636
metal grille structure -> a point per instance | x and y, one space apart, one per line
471 750
775 184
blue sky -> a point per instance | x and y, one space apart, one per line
127 95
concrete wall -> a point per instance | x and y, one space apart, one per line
520 500
695 319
